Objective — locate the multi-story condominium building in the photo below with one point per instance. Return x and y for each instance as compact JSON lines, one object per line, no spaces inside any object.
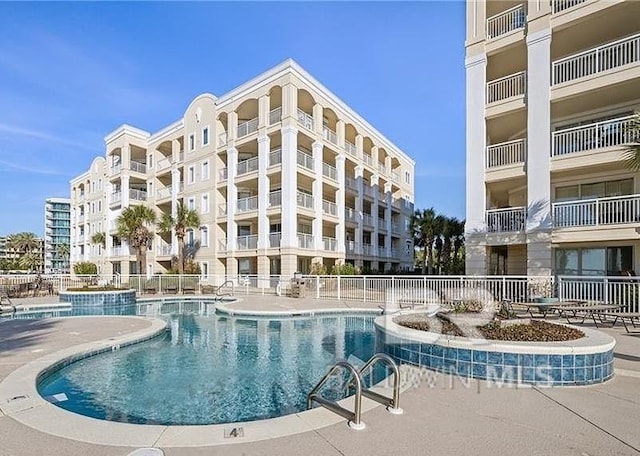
{"x":57,"y":230}
{"x":282,"y":173}
{"x":551,"y":88}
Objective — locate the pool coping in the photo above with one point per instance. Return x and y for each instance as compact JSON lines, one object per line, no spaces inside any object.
{"x":20,"y":400}
{"x":222,"y":309}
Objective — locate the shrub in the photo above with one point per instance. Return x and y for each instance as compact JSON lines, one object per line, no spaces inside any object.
{"x":344,"y":269}
{"x":85,"y":268}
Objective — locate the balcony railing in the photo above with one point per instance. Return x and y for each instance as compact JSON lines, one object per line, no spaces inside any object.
{"x":507,"y":21}
{"x":247,"y":204}
{"x":367,"y":159}
{"x":350,"y":214}
{"x":304,"y":119}
{"x":506,"y":153}
{"x":351,"y":183}
{"x":329,"y":171}
{"x":507,"y":87}
{"x":329,"y":135}
{"x":275,"y":157}
{"x":305,"y":200}
{"x":163,"y":250}
{"x":137,"y":195}
{"x":595,"y":212}
{"x":275,"y":198}
{"x":164,"y":164}
{"x":305,"y":160}
{"x":382,"y":252}
{"x":222,"y":138}
{"x":350,"y":246}
{"x":119,"y":251}
{"x":164,"y":192}
{"x":367,"y":249}
{"x":222,"y":209}
{"x":223,"y":174}
{"x":350,"y":148}
{"x":330,"y":208}
{"x":275,"y":116}
{"x":247,"y":127}
{"x":115,"y":169}
{"x":382,"y":224}
{"x":113,"y":198}
{"x":597,"y":60}
{"x":247,"y":166}
{"x":367,"y":219}
{"x":506,"y":220}
{"x":138,"y":167}
{"x":395,"y":227}
{"x":561,"y":5}
{"x":330,"y":244}
{"x":305,"y":241}
{"x":249,"y":242}
{"x":274,"y":239}
{"x":598,"y":135}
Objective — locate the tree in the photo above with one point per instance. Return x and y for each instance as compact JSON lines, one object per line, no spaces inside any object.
{"x":133,"y":225}
{"x":632,"y":148}
{"x":62,"y":252}
{"x":23,"y":242}
{"x":29,"y":261}
{"x":185,"y":219}
{"x":439,"y":228}
{"x":423,"y":232}
{"x":99,"y":239}
{"x":85,"y":268}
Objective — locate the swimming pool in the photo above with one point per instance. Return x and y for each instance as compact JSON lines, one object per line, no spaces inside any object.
{"x":210,"y":369}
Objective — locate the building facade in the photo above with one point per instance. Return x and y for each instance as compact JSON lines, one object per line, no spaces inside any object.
{"x":57,"y":233}
{"x":281,"y":172}
{"x":552,"y":87}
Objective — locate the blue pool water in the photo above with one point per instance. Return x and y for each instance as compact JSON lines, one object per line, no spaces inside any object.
{"x":211,"y":369}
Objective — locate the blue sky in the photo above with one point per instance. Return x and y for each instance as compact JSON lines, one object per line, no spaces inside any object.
{"x":72,"y":72}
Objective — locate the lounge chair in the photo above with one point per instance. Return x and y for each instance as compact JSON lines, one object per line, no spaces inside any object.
{"x":150,"y":289}
{"x":171,"y":289}
{"x":189,"y":289}
{"x":632,"y":318}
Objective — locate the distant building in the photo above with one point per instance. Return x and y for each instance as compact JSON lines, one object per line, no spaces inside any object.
{"x":57,"y":232}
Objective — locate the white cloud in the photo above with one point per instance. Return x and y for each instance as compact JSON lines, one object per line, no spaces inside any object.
{"x":24,"y":168}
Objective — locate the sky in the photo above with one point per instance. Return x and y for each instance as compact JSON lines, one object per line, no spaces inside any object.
{"x":70,"y":73}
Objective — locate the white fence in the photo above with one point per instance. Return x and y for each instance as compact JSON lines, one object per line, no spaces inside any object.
{"x":506,"y":21}
{"x":506,"y":153}
{"x":507,"y":87}
{"x":247,"y":127}
{"x":598,"y":135}
{"x":599,"y":211}
{"x":561,"y":5}
{"x":506,"y":220}
{"x":247,"y":166}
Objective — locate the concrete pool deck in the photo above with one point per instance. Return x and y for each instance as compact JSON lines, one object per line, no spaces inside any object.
{"x":442,"y":416}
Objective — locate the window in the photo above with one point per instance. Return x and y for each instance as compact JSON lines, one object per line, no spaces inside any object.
{"x":204,"y":175}
{"x":190,"y":239}
{"x":192,"y":174}
{"x":204,"y":203}
{"x":204,"y":236}
{"x":205,"y":136}
{"x":191,"y":203}
{"x":99,"y":206}
{"x":611,"y":261}
{"x":192,"y":141}
{"x":594,"y":190}
{"x":407,"y":177}
{"x":150,"y":162}
{"x":204,"y":269}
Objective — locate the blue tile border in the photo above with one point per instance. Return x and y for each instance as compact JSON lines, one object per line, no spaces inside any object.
{"x":102,"y":298}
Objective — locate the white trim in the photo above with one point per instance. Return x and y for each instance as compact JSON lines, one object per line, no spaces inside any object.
{"x":202,"y":168}
{"x":166,"y":131}
{"x":208,"y":208}
{"x":202,"y":238}
{"x":206,"y":127}
{"x":127,"y":129}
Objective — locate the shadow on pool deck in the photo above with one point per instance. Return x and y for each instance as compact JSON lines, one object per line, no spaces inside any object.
{"x":22,"y":334}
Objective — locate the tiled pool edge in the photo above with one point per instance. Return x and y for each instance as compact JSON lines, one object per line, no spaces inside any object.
{"x":99,"y":298}
{"x":582,"y":362}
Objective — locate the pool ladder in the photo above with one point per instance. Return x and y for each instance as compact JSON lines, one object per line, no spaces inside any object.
{"x":354,"y":417}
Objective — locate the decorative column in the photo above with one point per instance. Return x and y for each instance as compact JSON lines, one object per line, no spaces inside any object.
{"x":317,"y":119}
{"x":359,"y":170}
{"x":340,"y":205}
{"x":289,"y":186}
{"x":263,"y":203}
{"x":232,"y":201}
{"x":387,"y":217}
{"x":263,"y":111}
{"x":124,"y":190}
{"x":374,"y":216}
{"x":317,"y":200}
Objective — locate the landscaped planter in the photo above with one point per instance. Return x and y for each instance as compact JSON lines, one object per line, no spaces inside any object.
{"x":99,"y":297}
{"x":584,"y":361}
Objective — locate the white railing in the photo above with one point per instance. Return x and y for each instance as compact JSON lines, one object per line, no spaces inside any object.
{"x":382,"y":252}
{"x":163,"y":250}
{"x":506,"y":220}
{"x":597,"y":60}
{"x":351,"y":183}
{"x":164,"y":192}
{"x":247,"y":166}
{"x":223,"y":174}
{"x":507,"y":87}
{"x":367,"y":219}
{"x":599,"y":211}
{"x":222,"y":209}
{"x":350,"y":214}
{"x":305,"y":241}
{"x":247,"y":204}
{"x":275,"y":157}
{"x":330,"y":244}
{"x":395,"y":227}
{"x":164,"y":164}
{"x":304,"y":200}
{"x":304,"y":119}
{"x":329,"y":135}
{"x":507,"y":21}
{"x":382,"y":224}
{"x":137,"y":167}
{"x":350,"y":246}
{"x":119,"y":251}
{"x":561,"y":5}
{"x":329,"y":171}
{"x":222,"y":138}
{"x":305,"y":160}
{"x":607,"y":133}
{"x":115,"y":169}
{"x":621,"y":290}
{"x":275,"y":115}
{"x":137,"y":195}
{"x":367,"y":249}
{"x":249,"y":242}
{"x":247,"y":127}
{"x":350,"y":148}
{"x":222,"y":245}
{"x":367,"y":159}
{"x":506,"y":153}
{"x":113,"y":198}
{"x":395,"y":177}
{"x":274,"y":239}
{"x":275,"y":198}
{"x":329,"y":207}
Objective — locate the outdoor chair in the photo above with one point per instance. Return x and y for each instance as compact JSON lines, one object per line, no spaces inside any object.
{"x":171,"y":289}
{"x":189,"y":289}
{"x":150,"y":289}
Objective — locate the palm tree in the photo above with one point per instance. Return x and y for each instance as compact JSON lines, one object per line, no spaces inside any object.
{"x":133,"y":225}
{"x":632,"y":149}
{"x":99,"y":239}
{"x":448,"y":240}
{"x":185,"y":218}
{"x":23,"y":242}
{"x":423,"y":232}
{"x":62,"y":252}
{"x":30,"y":261}
{"x":439,"y":228}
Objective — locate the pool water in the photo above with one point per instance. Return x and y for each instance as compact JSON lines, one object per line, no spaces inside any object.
{"x":210,"y":369}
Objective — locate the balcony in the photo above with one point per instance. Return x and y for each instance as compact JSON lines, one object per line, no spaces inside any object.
{"x":222,"y":138}
{"x":305,"y":241}
{"x":329,"y":135}
{"x":350,"y":214}
{"x":367,"y":220}
{"x":395,"y":228}
{"x":367,"y":159}
{"x":247,"y":166}
{"x":137,"y":195}
{"x":561,"y":5}
{"x":506,"y":220}
{"x":598,"y":135}
{"x":163,"y":250}
{"x":350,"y":148}
{"x":163,"y":193}
{"x":597,"y":60}
{"x":330,"y":244}
{"x":329,"y":208}
{"x":114,"y":198}
{"x":382,"y":252}
{"x":305,"y":160}
{"x":247,"y":204}
{"x":275,"y":157}
{"x":163,"y":164}
{"x":304,"y":200}
{"x":247,"y":127}
{"x":350,"y":246}
{"x":274,"y":239}
{"x":506,"y":153}
{"x":367,"y":249}
{"x":223,"y":174}
{"x":119,"y":251}
{"x":222,"y":209}
{"x":507,"y":87}
{"x":115,"y":169}
{"x":329,"y":171}
{"x":249,"y":242}
{"x":138,"y":167}
{"x":304,"y":119}
{"x":275,"y":116}
{"x":351,"y":183}
{"x":275,"y":198}
{"x":506,"y":22}
{"x":382,"y":224}
{"x":615,"y":210}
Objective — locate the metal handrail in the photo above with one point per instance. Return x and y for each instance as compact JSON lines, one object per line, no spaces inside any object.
{"x":393,"y":403}
{"x":353,"y":417}
{"x":233,"y":291}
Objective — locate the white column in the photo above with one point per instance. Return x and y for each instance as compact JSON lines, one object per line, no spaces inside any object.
{"x":110,"y":217}
{"x":374,"y":215}
{"x":317,"y":196}
{"x":476,"y":141}
{"x":340,"y":204}
{"x":263,"y":192}
{"x":538,"y":152}
{"x":387,"y":217}
{"x":175,"y":188}
{"x":232,"y":199}
{"x":358,"y":238}
{"x":124,"y":190}
{"x":289,"y":186}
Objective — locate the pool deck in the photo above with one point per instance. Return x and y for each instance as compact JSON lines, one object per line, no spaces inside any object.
{"x":442,"y":416}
